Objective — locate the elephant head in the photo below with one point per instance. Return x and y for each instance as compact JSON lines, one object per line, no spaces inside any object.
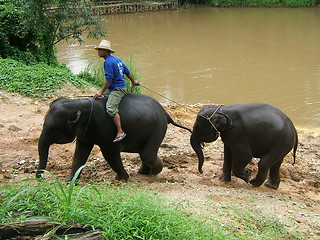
{"x":60,"y":126}
{"x":209,"y":123}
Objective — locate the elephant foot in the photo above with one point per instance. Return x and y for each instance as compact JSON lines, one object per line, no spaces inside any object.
{"x":153,"y":169}
{"x":39,"y":174}
{"x":120,"y":178}
{"x":144,"y":169}
{"x":69,"y":178}
{"x":224,"y":177}
{"x":255,"y":183}
{"x":156,"y":171}
{"x":246,"y":173}
{"x":272,"y":185}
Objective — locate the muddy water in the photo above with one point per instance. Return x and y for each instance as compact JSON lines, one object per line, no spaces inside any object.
{"x":224,"y":56}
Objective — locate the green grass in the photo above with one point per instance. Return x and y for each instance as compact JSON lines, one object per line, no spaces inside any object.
{"x":94,"y":73}
{"x":41,"y":80}
{"x":124,"y":211}
{"x":35,"y":80}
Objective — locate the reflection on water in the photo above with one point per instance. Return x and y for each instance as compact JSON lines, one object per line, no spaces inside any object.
{"x":225,"y":56}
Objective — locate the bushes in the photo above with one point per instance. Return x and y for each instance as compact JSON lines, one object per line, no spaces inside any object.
{"x":122,"y":211}
{"x":17,"y":39}
{"x":94,"y":73}
{"x":40,"y":80}
{"x":37,"y":80}
{"x":30,"y":30}
{"x":264,"y":3}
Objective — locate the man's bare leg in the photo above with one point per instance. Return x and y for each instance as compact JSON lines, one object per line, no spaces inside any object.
{"x":117,"y":121}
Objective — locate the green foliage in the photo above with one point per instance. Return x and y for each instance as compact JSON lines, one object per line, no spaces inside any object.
{"x":35,"y":26}
{"x":40,"y":79}
{"x":300,"y":3}
{"x":36,"y":80}
{"x":16,"y":40}
{"x":123,"y":211}
{"x":135,"y":73}
{"x":94,"y":74}
{"x":63,"y":195}
{"x":264,"y":3}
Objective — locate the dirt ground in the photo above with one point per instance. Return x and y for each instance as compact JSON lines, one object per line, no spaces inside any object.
{"x":296,"y":203}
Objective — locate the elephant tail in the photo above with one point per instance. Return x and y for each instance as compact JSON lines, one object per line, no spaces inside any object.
{"x":295,"y":148}
{"x":170,"y":120}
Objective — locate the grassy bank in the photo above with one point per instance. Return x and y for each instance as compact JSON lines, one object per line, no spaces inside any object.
{"x":124,"y":211}
{"x":40,"y":80}
{"x":264,"y":3}
{"x":36,"y":80}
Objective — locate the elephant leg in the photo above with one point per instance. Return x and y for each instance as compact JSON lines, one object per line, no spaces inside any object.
{"x":240,"y":160}
{"x":272,"y":158}
{"x":151,"y":163}
{"x":82,"y":152}
{"x":114,"y":159}
{"x":274,"y":176}
{"x":227,"y":165}
{"x":144,"y":169}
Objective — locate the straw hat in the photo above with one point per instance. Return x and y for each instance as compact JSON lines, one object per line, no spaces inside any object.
{"x":105,"y":44}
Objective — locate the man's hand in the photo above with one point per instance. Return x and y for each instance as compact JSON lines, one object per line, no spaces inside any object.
{"x":136,"y":83}
{"x":97,"y":95}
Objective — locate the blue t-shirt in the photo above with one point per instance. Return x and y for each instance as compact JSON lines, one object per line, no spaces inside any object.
{"x":114,"y":70}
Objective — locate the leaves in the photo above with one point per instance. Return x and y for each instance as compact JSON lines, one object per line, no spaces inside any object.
{"x":37,"y":80}
{"x":35,"y":26}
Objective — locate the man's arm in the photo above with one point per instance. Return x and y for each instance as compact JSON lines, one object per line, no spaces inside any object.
{"x":102,"y":90}
{"x":134,"y":82}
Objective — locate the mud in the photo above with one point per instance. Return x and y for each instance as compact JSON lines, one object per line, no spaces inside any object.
{"x":295,"y":203}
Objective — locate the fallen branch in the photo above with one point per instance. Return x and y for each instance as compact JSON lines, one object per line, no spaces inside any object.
{"x":48,"y":227}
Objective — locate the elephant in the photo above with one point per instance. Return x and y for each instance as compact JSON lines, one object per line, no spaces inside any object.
{"x":143,"y":119}
{"x":257,"y":130}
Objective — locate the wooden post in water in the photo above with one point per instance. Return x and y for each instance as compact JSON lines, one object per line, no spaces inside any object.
{"x":111,"y":7}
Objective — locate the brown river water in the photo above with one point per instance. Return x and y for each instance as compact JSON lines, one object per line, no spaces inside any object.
{"x":219,"y":56}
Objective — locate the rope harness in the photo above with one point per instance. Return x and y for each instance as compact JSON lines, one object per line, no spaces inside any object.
{"x":191,"y":110}
{"x":90,"y":115}
{"x":207,"y":118}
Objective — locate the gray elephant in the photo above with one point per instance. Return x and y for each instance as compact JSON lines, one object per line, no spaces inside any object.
{"x":144,"y":120}
{"x":254,"y":130}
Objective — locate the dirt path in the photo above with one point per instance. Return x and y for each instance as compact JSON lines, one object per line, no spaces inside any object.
{"x":296,"y":203}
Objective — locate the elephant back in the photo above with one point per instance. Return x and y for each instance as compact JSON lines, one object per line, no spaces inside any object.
{"x":142,"y":115}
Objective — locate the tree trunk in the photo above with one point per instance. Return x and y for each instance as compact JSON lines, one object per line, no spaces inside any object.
{"x":47,"y":228}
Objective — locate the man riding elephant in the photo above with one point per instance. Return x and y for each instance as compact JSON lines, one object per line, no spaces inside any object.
{"x":114,"y":85}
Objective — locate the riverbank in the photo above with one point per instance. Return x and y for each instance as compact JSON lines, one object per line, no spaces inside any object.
{"x":265,"y":3}
{"x":113,"y":7}
{"x":118,"y":6}
{"x":295,"y":204}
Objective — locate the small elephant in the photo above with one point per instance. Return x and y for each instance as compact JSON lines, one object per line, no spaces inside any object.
{"x":252,"y":130}
{"x":143,"y":119}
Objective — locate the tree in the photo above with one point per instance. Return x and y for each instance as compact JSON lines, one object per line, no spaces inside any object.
{"x":15,"y":38}
{"x":52,"y":21}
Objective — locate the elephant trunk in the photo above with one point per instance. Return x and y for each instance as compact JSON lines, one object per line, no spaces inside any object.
{"x":43,"y":150}
{"x":196,"y":145}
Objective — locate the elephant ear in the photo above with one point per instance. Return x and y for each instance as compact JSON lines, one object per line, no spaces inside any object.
{"x":222,"y":122}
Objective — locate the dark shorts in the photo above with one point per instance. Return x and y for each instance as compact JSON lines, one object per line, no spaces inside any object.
{"x":114,"y":99}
